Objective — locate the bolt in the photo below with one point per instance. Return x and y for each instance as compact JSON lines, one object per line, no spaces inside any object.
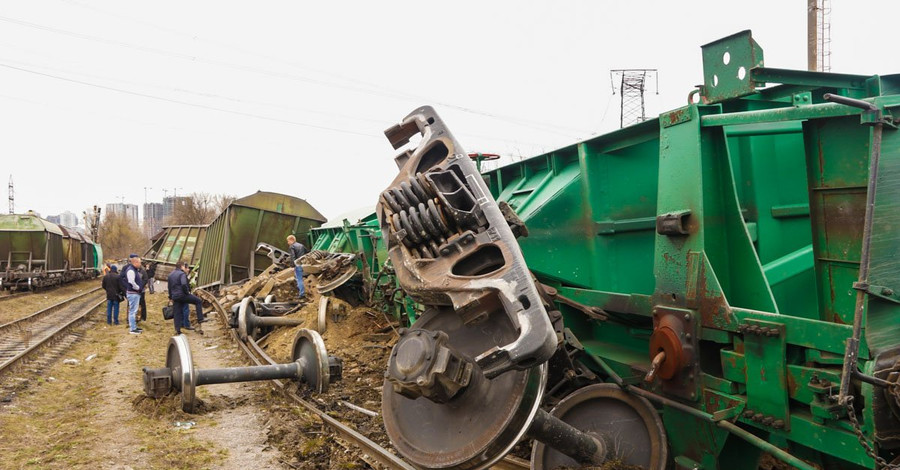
{"x":764,"y":331}
{"x":768,"y":420}
{"x":887,"y":291}
{"x":814,"y":380}
{"x":773,"y":332}
{"x":687,"y":336}
{"x":778,"y":424}
{"x":758,"y":417}
{"x":687,"y":317}
{"x":748,"y":414}
{"x":421,"y":381}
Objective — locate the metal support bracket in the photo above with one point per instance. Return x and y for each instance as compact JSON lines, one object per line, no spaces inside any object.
{"x":765,"y":351}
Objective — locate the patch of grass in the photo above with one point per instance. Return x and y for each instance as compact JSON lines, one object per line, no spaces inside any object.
{"x":50,"y":424}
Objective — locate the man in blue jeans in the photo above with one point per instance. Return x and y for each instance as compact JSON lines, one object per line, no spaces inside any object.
{"x":180,"y":293}
{"x":133,"y":284}
{"x":297,"y":250}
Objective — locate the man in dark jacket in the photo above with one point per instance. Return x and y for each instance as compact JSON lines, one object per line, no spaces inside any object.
{"x":147,"y":282}
{"x":180,"y":293}
{"x":297,"y":250}
{"x":114,"y":294}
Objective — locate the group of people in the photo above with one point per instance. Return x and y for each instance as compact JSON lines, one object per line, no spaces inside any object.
{"x":133,"y":283}
{"x":135,"y":280}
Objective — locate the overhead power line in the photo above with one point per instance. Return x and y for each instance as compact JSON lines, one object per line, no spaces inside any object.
{"x":388,"y":94}
{"x":186,"y":103}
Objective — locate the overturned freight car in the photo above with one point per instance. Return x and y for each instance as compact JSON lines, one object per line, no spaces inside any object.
{"x":173,"y":244}
{"x":705,"y":288}
{"x":228,"y":252}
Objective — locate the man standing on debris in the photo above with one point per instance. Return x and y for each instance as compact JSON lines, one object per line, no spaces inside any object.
{"x":180,"y":293}
{"x":134,"y":285}
{"x":114,"y":295}
{"x":297,"y":250}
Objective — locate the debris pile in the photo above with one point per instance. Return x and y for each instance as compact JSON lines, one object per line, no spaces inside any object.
{"x":360,"y":335}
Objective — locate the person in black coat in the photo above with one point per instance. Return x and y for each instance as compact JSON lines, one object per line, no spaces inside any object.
{"x":180,"y":293}
{"x":114,"y":294}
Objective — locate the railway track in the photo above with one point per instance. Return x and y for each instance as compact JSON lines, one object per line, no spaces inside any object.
{"x":21,"y":338}
{"x":374,"y":451}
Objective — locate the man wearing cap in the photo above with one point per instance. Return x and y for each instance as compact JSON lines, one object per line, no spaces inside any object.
{"x":134,"y":285}
{"x":114,"y":294}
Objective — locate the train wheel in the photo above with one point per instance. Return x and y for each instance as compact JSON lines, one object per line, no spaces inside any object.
{"x":629,"y":424}
{"x":480,"y":425}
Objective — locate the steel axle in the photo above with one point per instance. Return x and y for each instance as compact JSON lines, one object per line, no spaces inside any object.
{"x":311,"y":365}
{"x":424,"y":364}
{"x":248,"y":321}
{"x":556,"y":433}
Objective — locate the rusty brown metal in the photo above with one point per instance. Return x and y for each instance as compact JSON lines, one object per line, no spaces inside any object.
{"x":451,"y":245}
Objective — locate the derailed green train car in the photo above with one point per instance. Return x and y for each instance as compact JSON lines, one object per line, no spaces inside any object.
{"x":37,"y":253}
{"x":724,"y":241}
{"x":722,"y":282}
{"x":228,"y":253}
{"x":375,"y":283}
{"x":173,"y":244}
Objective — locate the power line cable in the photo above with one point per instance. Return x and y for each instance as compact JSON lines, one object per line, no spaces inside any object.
{"x":194,"y":58}
{"x":186,"y":103}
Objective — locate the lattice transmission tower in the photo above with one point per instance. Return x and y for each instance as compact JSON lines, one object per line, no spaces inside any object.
{"x":12,"y":197}
{"x":818,"y":31}
{"x":631,"y":84}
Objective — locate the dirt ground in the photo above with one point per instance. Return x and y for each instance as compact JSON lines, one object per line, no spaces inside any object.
{"x":94,"y":413}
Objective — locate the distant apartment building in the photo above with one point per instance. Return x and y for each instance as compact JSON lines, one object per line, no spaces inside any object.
{"x":128,"y":210}
{"x":53,"y":219}
{"x":69,"y":219}
{"x":171,"y":202}
{"x":153,"y":217}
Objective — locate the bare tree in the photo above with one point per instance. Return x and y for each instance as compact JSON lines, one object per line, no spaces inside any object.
{"x":199,"y":209}
{"x":121,"y":236}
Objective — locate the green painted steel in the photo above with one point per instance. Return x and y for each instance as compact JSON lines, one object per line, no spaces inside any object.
{"x":740,"y":221}
{"x":377,"y":284}
{"x":176,"y":243}
{"x":228,"y":252}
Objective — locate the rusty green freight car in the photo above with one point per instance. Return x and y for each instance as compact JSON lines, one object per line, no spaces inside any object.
{"x":173,"y":244}
{"x":36,"y":253}
{"x":709,"y":287}
{"x":228,"y":252}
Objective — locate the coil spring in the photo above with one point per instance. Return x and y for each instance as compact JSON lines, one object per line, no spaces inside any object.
{"x":418,"y":216}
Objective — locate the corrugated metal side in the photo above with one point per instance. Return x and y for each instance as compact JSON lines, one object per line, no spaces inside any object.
{"x":212,"y":258}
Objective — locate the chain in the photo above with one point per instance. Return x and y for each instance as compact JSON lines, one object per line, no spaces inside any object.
{"x":880,"y":463}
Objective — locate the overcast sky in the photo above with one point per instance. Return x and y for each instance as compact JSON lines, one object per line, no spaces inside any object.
{"x":100,"y":99}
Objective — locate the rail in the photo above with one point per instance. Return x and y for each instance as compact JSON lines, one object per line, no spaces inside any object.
{"x":259,"y":357}
{"x":22,"y":337}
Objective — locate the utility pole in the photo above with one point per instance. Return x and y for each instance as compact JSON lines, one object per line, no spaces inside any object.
{"x":818,"y":35}
{"x":631,"y":84}
{"x":12,"y":197}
